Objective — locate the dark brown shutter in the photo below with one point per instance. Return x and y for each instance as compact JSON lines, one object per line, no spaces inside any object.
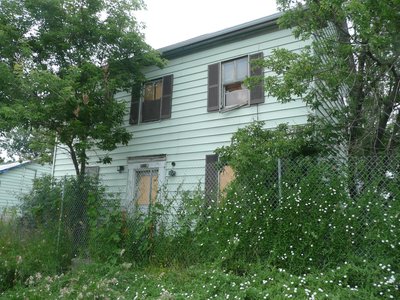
{"x":211,"y":178}
{"x":213,"y":87}
{"x":135,"y":100}
{"x":257,"y":92}
{"x":166,"y":100}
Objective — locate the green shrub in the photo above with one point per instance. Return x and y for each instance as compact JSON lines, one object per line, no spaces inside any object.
{"x":295,"y":210}
{"x":105,"y":229}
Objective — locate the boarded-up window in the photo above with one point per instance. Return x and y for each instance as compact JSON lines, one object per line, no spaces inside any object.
{"x":225,"y":177}
{"x":216,"y":180}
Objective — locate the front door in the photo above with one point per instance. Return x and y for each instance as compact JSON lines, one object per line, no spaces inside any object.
{"x":145,"y":179}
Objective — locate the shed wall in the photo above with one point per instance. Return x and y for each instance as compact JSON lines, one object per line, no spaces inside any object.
{"x":18,"y":181}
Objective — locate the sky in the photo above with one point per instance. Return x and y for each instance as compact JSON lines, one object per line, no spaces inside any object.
{"x":172,"y":21}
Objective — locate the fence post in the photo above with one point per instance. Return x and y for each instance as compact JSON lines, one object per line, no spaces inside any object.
{"x":279,"y":179}
{"x":61,"y":214}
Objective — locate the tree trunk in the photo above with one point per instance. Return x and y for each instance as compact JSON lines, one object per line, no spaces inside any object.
{"x":356,"y":106}
{"x":378,"y":144}
{"x":83,"y":166}
{"x":393,"y":141}
{"x":74,"y":159}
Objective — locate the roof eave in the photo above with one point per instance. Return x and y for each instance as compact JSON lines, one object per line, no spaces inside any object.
{"x":204,"y":41}
{"x":2,"y":171}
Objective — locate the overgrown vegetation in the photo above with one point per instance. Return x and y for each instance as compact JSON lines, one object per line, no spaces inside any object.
{"x":26,"y":252}
{"x":59,"y":220}
{"x":287,"y":225}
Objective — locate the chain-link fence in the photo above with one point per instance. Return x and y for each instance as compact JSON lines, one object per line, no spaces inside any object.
{"x":283,"y":210}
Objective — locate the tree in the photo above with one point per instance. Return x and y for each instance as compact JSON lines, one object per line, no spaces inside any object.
{"x":64,"y":61}
{"x":349,"y":74}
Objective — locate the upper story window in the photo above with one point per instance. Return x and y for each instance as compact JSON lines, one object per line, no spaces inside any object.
{"x":151,"y":104}
{"x":152,"y":101}
{"x":234,"y":92}
{"x":226,"y":89}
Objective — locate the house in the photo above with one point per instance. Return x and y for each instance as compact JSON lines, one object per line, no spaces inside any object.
{"x":16,"y":179}
{"x":191,"y":107}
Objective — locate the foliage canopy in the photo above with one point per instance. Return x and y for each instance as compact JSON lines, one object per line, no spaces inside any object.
{"x":349,"y":73}
{"x":62,"y":62}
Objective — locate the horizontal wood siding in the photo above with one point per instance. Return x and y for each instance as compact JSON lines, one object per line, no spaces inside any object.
{"x":18,"y":181}
{"x":191,"y":133}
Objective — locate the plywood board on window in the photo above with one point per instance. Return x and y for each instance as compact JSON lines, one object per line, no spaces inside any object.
{"x":225,"y":177}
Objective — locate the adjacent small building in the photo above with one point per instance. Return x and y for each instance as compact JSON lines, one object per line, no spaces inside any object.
{"x":16,"y":179}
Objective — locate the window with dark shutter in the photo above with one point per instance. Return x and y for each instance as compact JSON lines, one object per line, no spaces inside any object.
{"x":257,"y":92}
{"x":151,"y":105}
{"x":156,"y":102}
{"x":213,"y":87}
{"x":211,"y":178}
{"x":226,"y":88}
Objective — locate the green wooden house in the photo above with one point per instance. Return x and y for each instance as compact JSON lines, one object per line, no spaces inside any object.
{"x":191,"y":107}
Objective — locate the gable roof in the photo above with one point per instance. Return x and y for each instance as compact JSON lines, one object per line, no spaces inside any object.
{"x":219,"y":37}
{"x":7,"y":167}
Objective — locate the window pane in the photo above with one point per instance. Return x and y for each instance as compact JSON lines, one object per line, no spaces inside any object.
{"x":233,"y":87}
{"x":241,"y":69}
{"x":148,"y":91}
{"x":158,"y":89}
{"x":237,"y":97}
{"x":151,"y":110}
{"x":228,"y":72}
